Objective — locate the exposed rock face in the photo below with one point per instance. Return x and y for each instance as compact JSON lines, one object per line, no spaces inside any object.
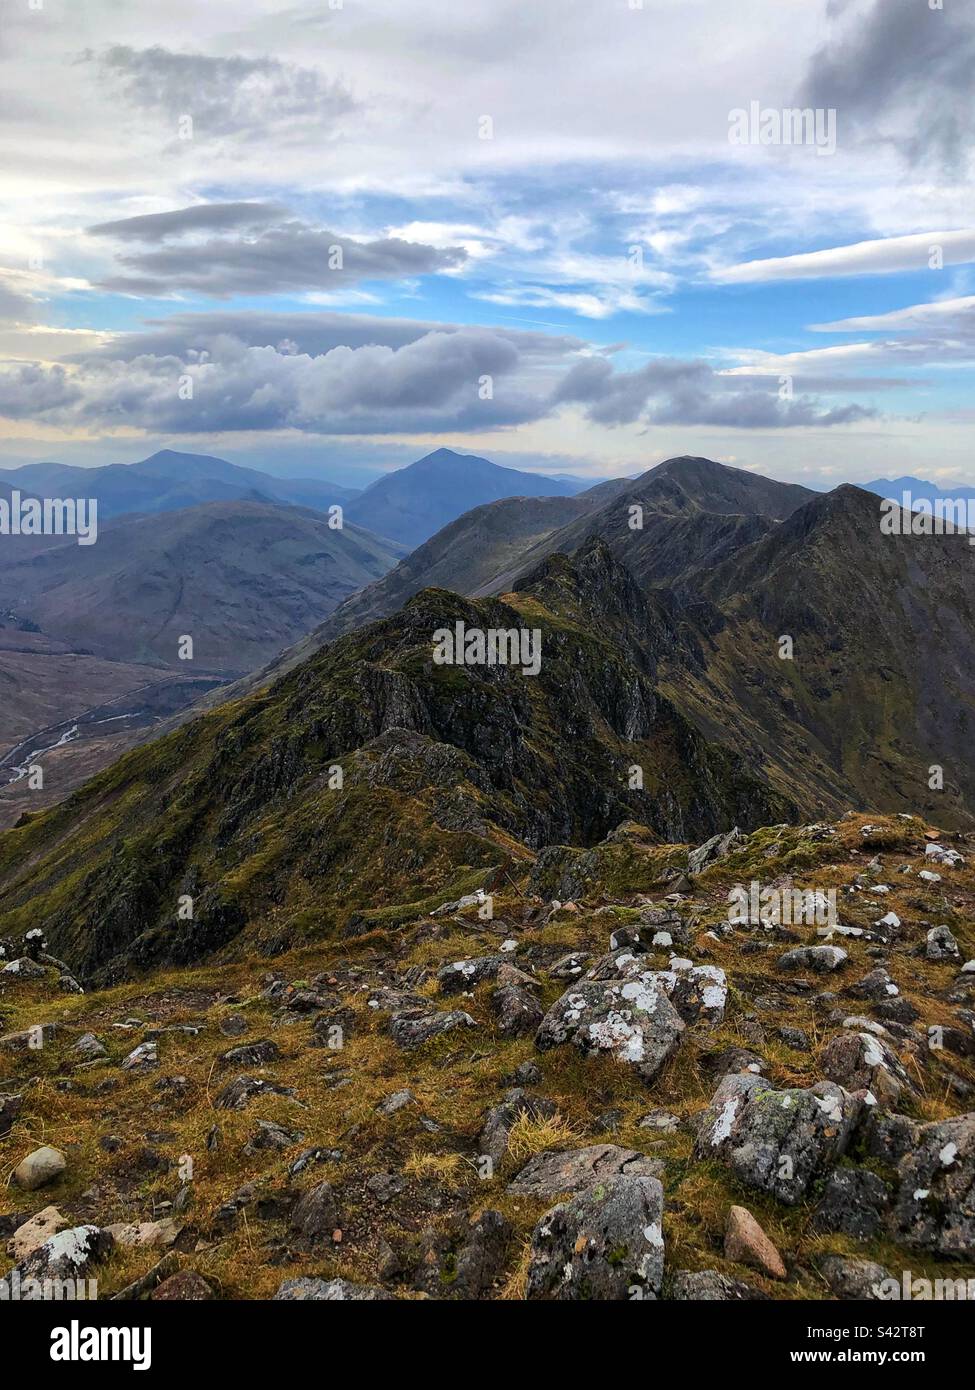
{"x":459,"y":766}
{"x":605,"y":1243}
{"x":779,"y":1142}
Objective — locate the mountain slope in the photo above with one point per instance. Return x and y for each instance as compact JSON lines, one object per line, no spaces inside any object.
{"x":692,"y":512}
{"x":462,"y":557}
{"x":242,"y":578}
{"x":882,"y":685}
{"x":484,"y":551}
{"x":448,"y":772}
{"x":413,"y":503}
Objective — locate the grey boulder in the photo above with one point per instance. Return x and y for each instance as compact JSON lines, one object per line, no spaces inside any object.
{"x":605,"y":1244}
{"x":777,"y":1141}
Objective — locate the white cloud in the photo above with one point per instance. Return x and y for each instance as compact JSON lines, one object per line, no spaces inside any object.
{"x":880,"y":257}
{"x":944,"y":314}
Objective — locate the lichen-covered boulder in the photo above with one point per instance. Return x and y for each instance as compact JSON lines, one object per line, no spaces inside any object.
{"x":861,"y":1062}
{"x":629,"y":1018}
{"x":775,"y":1141}
{"x":601,"y":1245}
{"x":821,"y":959}
{"x":414,"y":1027}
{"x":68,"y":1254}
{"x":556,"y":1172}
{"x":935,"y":1205}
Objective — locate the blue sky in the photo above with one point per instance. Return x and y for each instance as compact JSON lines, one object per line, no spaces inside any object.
{"x":547,"y":198}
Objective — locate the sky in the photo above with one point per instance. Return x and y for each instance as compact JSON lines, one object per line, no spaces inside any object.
{"x":570,"y":235}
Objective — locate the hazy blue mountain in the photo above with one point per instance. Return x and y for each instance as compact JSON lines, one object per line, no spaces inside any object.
{"x":414,"y":503}
{"x":170,"y":481}
{"x":917,"y":487}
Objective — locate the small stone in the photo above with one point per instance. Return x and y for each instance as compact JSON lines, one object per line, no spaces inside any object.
{"x":147,"y":1234}
{"x":317,"y":1215}
{"x":941,"y":945}
{"x":35,"y":1232}
{"x":395,"y":1102}
{"x":185,"y":1287}
{"x":44,"y":1165}
{"x":10,"y":1107}
{"x":67,"y":1255}
{"x":23,"y":969}
{"x":255,"y":1054}
{"x":854,"y":1279}
{"x":415,"y":1027}
{"x":89,"y":1047}
{"x":518,"y":1011}
{"x":708,"y":1286}
{"x":528,"y":1074}
{"x":820,"y":959}
{"x":142,"y":1058}
{"x":328,"y":1291}
{"x":746,"y":1243}
{"x":660,"y":1120}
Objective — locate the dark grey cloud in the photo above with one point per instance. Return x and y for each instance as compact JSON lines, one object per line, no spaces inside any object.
{"x":286,"y":258}
{"x":30,"y":390}
{"x":233,"y":96}
{"x":428,"y":384}
{"x":668,"y":391}
{"x":901,"y":71}
{"x":202,"y":217}
{"x":312,"y":332}
{"x":334,"y":374}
